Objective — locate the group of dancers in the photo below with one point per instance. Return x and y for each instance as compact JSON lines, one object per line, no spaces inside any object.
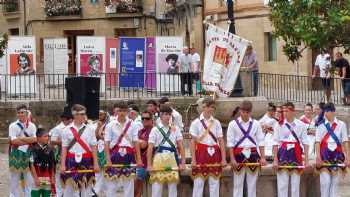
{"x":119,"y":152}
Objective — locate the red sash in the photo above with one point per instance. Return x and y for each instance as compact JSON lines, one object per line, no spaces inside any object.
{"x":79,"y":140}
{"x":237,"y":151}
{"x":327,"y":136}
{"x":305,"y":120}
{"x":127,"y":126}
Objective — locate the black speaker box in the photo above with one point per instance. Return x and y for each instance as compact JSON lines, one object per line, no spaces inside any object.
{"x":84,"y":91}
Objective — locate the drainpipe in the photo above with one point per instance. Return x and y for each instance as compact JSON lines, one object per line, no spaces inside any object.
{"x":238,"y":88}
{"x":25,"y":17}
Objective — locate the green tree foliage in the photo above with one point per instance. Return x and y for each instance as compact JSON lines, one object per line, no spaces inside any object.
{"x":315,"y":24}
{"x":3,"y":44}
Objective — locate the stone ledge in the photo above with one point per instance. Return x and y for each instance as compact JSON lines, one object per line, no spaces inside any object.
{"x":266,"y":184}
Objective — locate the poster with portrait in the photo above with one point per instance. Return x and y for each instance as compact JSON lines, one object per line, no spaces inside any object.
{"x":91,"y":58}
{"x":150,"y":81}
{"x":55,"y":61}
{"x":111,"y":62}
{"x":224,"y":54}
{"x":168,"y":51}
{"x":131,"y":66}
{"x":21,"y":65}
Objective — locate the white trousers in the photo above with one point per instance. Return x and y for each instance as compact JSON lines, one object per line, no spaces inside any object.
{"x":69,"y":191}
{"x":269,"y":141}
{"x":329,"y":184}
{"x":100,"y":186}
{"x":312,"y":140}
{"x":238,"y":183}
{"x":113,"y":186}
{"x":15,"y":186}
{"x":58,"y":184}
{"x":283,"y":183}
{"x":157,"y":189}
{"x":198,"y":186}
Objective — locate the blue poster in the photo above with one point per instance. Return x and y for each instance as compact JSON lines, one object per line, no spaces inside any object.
{"x":132,"y":66}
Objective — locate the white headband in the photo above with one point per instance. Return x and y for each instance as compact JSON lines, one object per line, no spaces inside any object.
{"x":74,"y":112}
{"x":22,"y":110}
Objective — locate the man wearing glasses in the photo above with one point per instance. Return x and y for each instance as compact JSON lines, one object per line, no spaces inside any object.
{"x":79,"y":155}
{"x":141,"y":174}
{"x":22,"y":133}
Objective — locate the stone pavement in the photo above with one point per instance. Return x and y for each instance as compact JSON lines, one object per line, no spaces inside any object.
{"x":4,"y":176}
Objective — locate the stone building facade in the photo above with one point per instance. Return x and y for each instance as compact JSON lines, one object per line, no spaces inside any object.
{"x":110,"y":18}
{"x":252,"y":23}
{"x":152,"y":17}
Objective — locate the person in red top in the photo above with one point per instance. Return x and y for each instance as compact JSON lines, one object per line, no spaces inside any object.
{"x":141,"y":175}
{"x":307,"y":119}
{"x":308,"y":113}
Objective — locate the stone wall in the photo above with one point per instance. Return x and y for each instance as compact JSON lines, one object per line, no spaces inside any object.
{"x":266,"y":184}
{"x":47,"y":113}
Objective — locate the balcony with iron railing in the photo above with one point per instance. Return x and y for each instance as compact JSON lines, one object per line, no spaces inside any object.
{"x":178,"y":3}
{"x":62,"y":8}
{"x":173,"y":5}
{"x":123,"y":6}
{"x":10,"y":6}
{"x":11,"y":9}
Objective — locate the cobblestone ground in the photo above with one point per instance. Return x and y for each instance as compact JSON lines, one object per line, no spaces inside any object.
{"x":4,"y":176}
{"x":344,"y":188}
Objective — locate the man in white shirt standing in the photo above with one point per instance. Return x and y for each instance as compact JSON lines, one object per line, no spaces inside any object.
{"x":196,"y":69}
{"x":332,"y":151}
{"x":289,"y":135}
{"x":250,"y":62}
{"x":207,"y":151}
{"x":323,"y":65}
{"x":22,"y":133}
{"x":56,"y":142}
{"x":79,"y":155}
{"x":165,"y":150}
{"x":245,"y":139}
{"x":185,"y":61}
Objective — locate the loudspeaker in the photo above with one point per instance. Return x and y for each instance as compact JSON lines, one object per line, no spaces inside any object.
{"x":84,"y":91}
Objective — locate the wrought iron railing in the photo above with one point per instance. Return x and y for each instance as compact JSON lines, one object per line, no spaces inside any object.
{"x":10,"y":6}
{"x":124,"y":6}
{"x":275,"y":87}
{"x":112,"y":86}
{"x":62,"y":7}
{"x":295,"y":88}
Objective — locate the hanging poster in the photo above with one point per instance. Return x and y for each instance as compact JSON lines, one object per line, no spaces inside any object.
{"x":132,"y":66}
{"x":168,"y":51}
{"x":150,"y":63}
{"x":224,"y":53}
{"x":111,"y":62}
{"x":91,"y":58}
{"x":21,"y":65}
{"x":55,"y":61}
